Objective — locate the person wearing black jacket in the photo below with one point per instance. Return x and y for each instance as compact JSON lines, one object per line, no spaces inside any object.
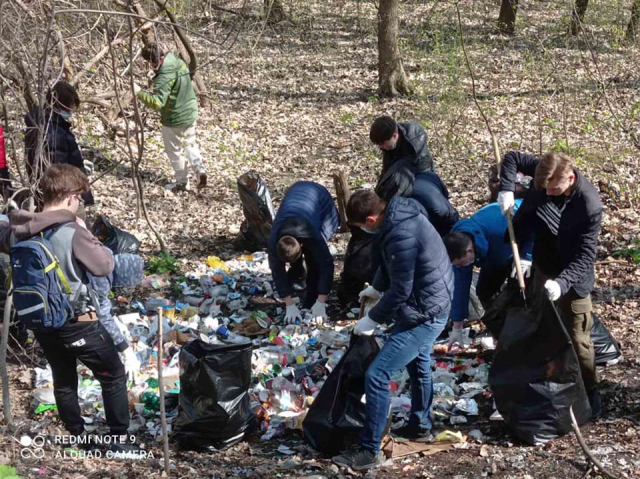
{"x":59,"y":142}
{"x":565,"y":213}
{"x":401,"y":141}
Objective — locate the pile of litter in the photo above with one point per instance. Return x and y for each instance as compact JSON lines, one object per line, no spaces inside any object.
{"x":231,"y":303}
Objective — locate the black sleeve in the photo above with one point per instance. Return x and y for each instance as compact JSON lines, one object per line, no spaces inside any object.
{"x":279,"y":274}
{"x":320,"y":253}
{"x":515,"y":161}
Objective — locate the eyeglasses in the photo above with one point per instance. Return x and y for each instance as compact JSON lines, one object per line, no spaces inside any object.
{"x":79,"y":197}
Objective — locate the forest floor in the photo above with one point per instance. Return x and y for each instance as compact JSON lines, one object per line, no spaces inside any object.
{"x":295,"y":102}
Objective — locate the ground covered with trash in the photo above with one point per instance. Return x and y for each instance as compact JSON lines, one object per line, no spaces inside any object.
{"x":298,"y":106}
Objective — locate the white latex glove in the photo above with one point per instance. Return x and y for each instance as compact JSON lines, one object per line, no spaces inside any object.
{"x":292,"y":314}
{"x":525,"y":265}
{"x":506,"y":201}
{"x":365,"y":327}
{"x":553,"y":289}
{"x":455,"y":336}
{"x":89,"y":166}
{"x":131,"y":362}
{"x":369,"y":292}
{"x":318,"y":312}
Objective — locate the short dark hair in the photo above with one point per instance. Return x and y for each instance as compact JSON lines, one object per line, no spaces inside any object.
{"x":61,"y":180}
{"x":551,"y":164}
{"x":152,"y":53}
{"x":288,"y":249}
{"x":382,"y":129}
{"x":63,"y":94}
{"x":457,"y":244}
{"x":364,"y":203}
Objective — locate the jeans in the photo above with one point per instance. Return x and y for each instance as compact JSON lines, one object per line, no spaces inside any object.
{"x":90,"y":343}
{"x":180,"y":141}
{"x":410,"y":348}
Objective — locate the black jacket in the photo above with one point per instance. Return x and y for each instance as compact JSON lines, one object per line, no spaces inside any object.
{"x":59,"y":141}
{"x":412,"y":146}
{"x":579,"y":224}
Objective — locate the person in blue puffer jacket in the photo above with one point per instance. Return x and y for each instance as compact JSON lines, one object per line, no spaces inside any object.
{"x":417,"y":281}
{"x":480,"y":241}
{"x":306,"y":220}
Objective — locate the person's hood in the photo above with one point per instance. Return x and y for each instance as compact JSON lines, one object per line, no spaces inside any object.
{"x":414,"y":134}
{"x":480,"y":240}
{"x":397,"y":181}
{"x":36,"y":117}
{"x":170,"y":64}
{"x":400,"y":210}
{"x":25,"y":224}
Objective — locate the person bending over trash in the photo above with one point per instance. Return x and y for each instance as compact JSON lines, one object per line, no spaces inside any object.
{"x":306,"y":220}
{"x":174,"y":97}
{"x":51,"y":254}
{"x":417,"y":282}
{"x":428,"y":189}
{"x":565,"y":213}
{"x":401,"y":141}
{"x":479,"y":241}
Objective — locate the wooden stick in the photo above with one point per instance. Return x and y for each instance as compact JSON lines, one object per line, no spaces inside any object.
{"x":342,"y":194}
{"x":163,"y":416}
{"x":583,"y":445}
{"x":6,"y":392}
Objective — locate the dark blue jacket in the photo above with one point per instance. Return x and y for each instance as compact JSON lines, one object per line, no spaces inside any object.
{"x":307,"y":213}
{"x":415,"y":274}
{"x":487,"y":227}
{"x":412,"y":146}
{"x":579,"y":227}
{"x":430,"y":191}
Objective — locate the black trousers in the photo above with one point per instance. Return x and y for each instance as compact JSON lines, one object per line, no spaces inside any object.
{"x":305,"y":266}
{"x":90,"y":343}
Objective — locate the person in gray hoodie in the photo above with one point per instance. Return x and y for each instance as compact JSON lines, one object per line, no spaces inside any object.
{"x":82,"y":337}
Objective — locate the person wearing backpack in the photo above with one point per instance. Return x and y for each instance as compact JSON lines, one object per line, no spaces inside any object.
{"x":51,"y":255}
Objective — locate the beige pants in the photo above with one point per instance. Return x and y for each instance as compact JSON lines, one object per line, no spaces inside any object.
{"x":180,"y":142}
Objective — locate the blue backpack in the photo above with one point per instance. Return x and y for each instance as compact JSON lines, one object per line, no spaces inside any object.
{"x":40,"y":289}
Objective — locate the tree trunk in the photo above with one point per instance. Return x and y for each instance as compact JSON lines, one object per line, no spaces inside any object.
{"x":507,"y":17}
{"x":4,"y":372}
{"x":343,"y":193}
{"x":274,"y":11}
{"x":392,"y":80}
{"x":577,"y":16}
{"x":632,"y":28}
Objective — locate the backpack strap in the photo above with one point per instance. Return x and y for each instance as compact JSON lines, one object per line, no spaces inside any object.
{"x":56,"y":265}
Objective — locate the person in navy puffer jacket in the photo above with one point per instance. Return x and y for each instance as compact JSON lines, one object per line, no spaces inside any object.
{"x":480,"y":241}
{"x":306,"y":220}
{"x":417,"y":281}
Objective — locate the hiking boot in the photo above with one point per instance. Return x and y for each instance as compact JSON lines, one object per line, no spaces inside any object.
{"x":202,"y":180}
{"x":359,"y":459}
{"x":126,"y":449}
{"x":413,"y":433}
{"x":595,"y":402}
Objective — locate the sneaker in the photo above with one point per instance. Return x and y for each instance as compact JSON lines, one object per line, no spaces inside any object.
{"x":596,"y":403}
{"x":359,"y":459}
{"x":178,"y":187}
{"x":85,"y":442}
{"x":202,"y":180}
{"x":409,"y":431}
{"x":126,"y":450}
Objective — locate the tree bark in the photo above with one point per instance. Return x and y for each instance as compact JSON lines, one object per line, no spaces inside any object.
{"x":634,"y":21}
{"x":392,"y":80}
{"x":274,"y":11}
{"x":577,"y":16}
{"x":343,"y":193}
{"x":507,"y":17}
{"x":4,"y":373}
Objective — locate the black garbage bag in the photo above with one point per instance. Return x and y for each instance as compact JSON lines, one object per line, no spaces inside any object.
{"x":214,"y":411}
{"x":117,"y":240}
{"x":358,"y":267}
{"x":606,"y":348}
{"x":535,"y":376}
{"x":258,"y":211}
{"x":336,"y":416}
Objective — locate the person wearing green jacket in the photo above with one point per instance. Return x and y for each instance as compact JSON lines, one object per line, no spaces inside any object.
{"x":174,"y":97}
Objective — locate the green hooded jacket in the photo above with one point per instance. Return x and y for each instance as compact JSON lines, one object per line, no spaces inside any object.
{"x":173,"y":93}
